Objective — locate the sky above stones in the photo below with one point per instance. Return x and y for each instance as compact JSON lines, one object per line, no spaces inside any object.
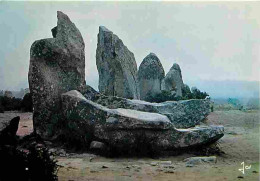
{"x":210,"y":41}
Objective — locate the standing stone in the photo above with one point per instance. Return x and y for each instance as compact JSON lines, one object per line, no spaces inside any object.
{"x":57,"y":65}
{"x":150,"y":75}
{"x":116,"y":66}
{"x":173,"y":80}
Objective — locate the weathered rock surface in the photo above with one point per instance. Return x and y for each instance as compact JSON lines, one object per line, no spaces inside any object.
{"x":125,"y":129}
{"x":173,"y":80}
{"x":57,"y":65}
{"x":57,"y":79}
{"x":182,"y":114}
{"x":97,"y":145}
{"x":150,"y":75}
{"x":116,"y":66}
{"x":113,"y":118}
{"x":190,"y":162}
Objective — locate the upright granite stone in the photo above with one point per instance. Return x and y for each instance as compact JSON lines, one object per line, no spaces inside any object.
{"x":57,"y":65}
{"x":116,"y":66}
{"x":150,"y":75}
{"x":173,"y":80}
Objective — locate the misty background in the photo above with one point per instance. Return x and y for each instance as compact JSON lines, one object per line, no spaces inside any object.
{"x":217,"y":45}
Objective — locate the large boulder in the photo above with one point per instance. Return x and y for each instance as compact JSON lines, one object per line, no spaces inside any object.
{"x":57,"y":65}
{"x":173,"y":80}
{"x":116,"y":66}
{"x":150,"y":75}
{"x":126,"y":129}
{"x":182,"y":114}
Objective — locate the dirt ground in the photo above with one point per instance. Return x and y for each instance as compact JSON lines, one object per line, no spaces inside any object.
{"x":240,"y":144}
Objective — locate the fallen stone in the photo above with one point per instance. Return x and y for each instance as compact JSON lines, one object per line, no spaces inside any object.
{"x":190,"y":162}
{"x":189,"y":165}
{"x":113,"y":118}
{"x":165,"y":163}
{"x":182,"y":114}
{"x":150,"y":75}
{"x":154,"y":163}
{"x":96,"y":145}
{"x":62,"y":152}
{"x":173,"y":80}
{"x":57,"y":65}
{"x":126,"y":129}
{"x":116,"y":66}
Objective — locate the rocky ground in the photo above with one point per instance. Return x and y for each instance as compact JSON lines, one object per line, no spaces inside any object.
{"x":240,"y":144}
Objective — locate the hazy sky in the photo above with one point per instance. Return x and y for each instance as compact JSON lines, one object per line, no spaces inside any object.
{"x":210,"y":41}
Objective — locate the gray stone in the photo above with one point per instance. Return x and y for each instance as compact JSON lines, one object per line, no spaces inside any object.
{"x":182,"y":114}
{"x":166,"y":163}
{"x":116,"y":66}
{"x":57,"y":65}
{"x":150,"y":75}
{"x":154,"y":163}
{"x":125,"y":129}
{"x":190,"y":162}
{"x":96,"y":145}
{"x":113,"y":118}
{"x":173,"y":80}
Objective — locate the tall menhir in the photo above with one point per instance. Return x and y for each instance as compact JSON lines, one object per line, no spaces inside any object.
{"x":57,"y":65}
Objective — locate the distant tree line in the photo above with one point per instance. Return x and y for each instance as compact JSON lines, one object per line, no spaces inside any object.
{"x":187,"y":93}
{"x":14,"y":104}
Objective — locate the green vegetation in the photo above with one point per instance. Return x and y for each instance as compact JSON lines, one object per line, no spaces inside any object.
{"x":162,"y":97}
{"x":29,"y":160}
{"x":187,"y":94}
{"x":26,"y":104}
{"x":16,"y":104}
{"x":10,"y":103}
